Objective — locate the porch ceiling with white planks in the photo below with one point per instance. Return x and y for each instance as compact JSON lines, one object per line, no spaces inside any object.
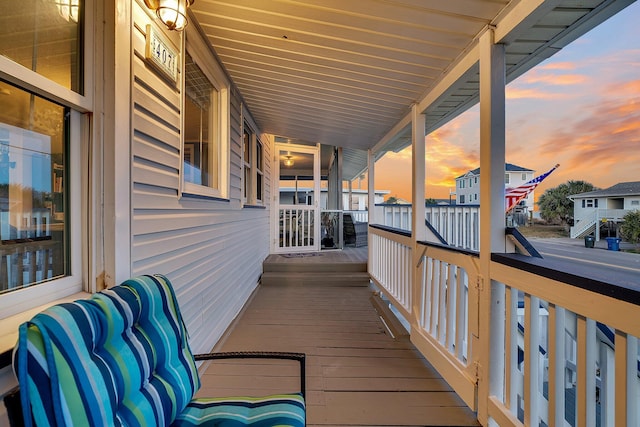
{"x":346,"y":72}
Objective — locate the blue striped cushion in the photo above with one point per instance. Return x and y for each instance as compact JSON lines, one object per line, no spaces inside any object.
{"x":269,"y":411}
{"x":122,"y":358}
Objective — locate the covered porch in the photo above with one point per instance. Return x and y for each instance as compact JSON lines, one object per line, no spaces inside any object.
{"x":361,"y":369}
{"x":521,"y":341}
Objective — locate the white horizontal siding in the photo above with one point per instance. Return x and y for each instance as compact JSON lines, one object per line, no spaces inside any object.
{"x":212,"y":250}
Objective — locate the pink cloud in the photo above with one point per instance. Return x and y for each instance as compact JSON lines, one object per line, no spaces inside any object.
{"x":521,"y":93}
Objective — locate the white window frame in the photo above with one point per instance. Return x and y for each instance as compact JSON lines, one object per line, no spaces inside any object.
{"x":258,"y":170}
{"x":251,"y":198}
{"x":247,"y":175}
{"x":21,"y":300}
{"x":202,"y":56}
{"x":27,"y":301}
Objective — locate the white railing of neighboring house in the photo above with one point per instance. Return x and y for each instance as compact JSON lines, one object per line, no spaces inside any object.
{"x":612,"y":214}
{"x":551,"y":344}
{"x":584,"y":223}
{"x":591,"y":218}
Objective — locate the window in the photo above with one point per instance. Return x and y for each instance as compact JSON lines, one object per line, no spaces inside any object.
{"x":33,"y":189}
{"x":246,"y":163}
{"x":475,"y":179}
{"x":45,"y":37}
{"x":253,"y":166}
{"x":524,"y":177}
{"x":470,"y":182}
{"x":205,"y":123}
{"x":40,"y":161}
{"x":506,"y":178}
{"x":475,"y":196}
{"x":259,"y":171}
{"x":635,"y":202}
{"x":462,"y":183}
{"x":589,"y":203}
{"x":201,"y":110}
{"x":462,"y":199}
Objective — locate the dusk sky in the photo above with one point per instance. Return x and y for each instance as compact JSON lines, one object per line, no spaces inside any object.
{"x":580,"y":108}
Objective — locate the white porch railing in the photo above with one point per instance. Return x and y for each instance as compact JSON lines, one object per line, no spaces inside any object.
{"x":458,"y":225}
{"x":394,"y":274}
{"x":435,"y":303}
{"x":296,"y":227}
{"x":559,"y":340}
{"x":28,"y":261}
{"x":579,"y":345}
{"x":359,"y":216}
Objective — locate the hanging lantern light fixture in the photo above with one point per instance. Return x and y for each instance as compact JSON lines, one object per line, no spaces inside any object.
{"x":288,"y":161}
{"x":172,"y":13}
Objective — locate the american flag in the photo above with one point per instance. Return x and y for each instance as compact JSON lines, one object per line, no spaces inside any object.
{"x":513,"y":196}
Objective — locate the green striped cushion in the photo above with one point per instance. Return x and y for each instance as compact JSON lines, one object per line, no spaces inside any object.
{"x":119,"y":358}
{"x":269,"y":411}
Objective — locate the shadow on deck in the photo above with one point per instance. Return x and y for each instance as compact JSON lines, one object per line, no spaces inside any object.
{"x":357,"y":373}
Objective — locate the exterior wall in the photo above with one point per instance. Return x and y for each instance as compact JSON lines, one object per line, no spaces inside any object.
{"x":580,"y":212}
{"x":632,"y":203}
{"x":628,"y":203}
{"x":211,"y":249}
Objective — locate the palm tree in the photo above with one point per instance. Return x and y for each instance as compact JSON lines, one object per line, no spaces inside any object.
{"x":555,"y":205}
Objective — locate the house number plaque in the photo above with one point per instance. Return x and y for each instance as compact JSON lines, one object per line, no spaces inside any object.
{"x":160,"y":53}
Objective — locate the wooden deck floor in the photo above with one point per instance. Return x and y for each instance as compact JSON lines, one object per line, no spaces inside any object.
{"x":357,"y":374}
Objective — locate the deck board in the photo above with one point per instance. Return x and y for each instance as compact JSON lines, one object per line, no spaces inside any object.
{"x":357,"y":374}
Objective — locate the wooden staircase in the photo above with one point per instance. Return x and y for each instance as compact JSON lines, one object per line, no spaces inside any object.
{"x":317,"y":269}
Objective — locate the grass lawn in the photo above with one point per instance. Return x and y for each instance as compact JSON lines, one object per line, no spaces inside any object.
{"x":544,"y":231}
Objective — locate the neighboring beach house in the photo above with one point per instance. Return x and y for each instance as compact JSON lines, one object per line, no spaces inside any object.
{"x":468,"y":185}
{"x":603,"y":207}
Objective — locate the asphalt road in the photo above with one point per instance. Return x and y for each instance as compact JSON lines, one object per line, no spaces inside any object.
{"x":574,"y":250}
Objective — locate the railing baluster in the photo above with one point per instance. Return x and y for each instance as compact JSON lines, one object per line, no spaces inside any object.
{"x":435,"y":298}
{"x":531,"y":360}
{"x":586,"y":384}
{"x":428,"y":294}
{"x":627,"y":410}
{"x":461,"y":313}
{"x":442,"y":309}
{"x":511,"y":373}
{"x":451,"y":307}
{"x":557,"y":362}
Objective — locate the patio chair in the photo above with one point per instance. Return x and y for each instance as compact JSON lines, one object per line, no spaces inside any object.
{"x":122,"y":358}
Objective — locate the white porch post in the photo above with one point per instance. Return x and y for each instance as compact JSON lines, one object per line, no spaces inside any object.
{"x":418,"y":229}
{"x":370,"y":188}
{"x":492,"y":239}
{"x":418,"y":211}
